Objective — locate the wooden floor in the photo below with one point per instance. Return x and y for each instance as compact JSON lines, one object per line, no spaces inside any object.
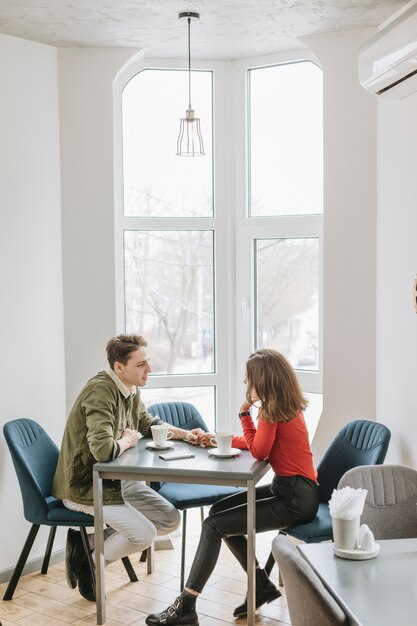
{"x":47,"y":600}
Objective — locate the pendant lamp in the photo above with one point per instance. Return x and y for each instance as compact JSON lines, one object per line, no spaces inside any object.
{"x":190,"y":141}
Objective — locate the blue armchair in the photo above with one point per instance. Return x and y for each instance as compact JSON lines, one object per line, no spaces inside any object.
{"x":35,"y":457}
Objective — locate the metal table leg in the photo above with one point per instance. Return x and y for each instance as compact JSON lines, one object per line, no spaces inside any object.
{"x":251,"y":552}
{"x":99,"y":547}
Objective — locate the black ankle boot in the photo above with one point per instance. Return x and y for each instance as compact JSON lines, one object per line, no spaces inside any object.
{"x":265,"y":592}
{"x":74,"y":557}
{"x":181,"y":613}
{"x":85,"y":584}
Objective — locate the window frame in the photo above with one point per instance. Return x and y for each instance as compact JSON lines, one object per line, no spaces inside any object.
{"x":222,"y":379}
{"x":249,"y":228}
{"x":234,"y":230}
{"x":249,"y":231}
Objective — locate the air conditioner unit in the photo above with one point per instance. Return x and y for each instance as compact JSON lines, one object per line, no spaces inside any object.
{"x":388,"y":61}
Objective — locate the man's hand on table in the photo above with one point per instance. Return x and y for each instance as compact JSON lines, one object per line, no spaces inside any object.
{"x":199,"y":437}
{"x":128,"y":439}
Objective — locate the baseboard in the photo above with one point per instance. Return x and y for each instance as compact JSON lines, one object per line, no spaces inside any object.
{"x":32,"y":566}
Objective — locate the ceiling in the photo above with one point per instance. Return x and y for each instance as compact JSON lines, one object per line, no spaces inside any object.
{"x":228,"y":29}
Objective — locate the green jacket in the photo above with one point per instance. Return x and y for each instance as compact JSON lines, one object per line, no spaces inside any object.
{"x":97,"y":419}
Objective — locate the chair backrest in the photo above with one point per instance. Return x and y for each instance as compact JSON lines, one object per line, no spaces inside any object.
{"x":309,"y":602}
{"x":35,"y":457}
{"x":181,"y":414}
{"x":390,"y":508}
{"x":360,"y":442}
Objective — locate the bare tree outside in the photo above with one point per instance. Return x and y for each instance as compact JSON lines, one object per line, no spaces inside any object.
{"x":169,"y":283}
{"x":287,"y":275}
{"x":169,"y":296}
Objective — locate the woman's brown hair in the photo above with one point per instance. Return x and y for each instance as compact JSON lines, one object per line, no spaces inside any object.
{"x":273,"y":379}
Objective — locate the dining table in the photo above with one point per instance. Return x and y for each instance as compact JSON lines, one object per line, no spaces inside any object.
{"x":379,"y":591}
{"x":142,"y":463}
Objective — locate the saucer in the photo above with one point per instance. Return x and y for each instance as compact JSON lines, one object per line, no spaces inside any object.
{"x":215,"y":452}
{"x":152,"y":446}
{"x":357,"y":554}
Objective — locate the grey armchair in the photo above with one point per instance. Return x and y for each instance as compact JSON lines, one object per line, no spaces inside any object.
{"x":390,"y":508}
{"x":309,"y":602}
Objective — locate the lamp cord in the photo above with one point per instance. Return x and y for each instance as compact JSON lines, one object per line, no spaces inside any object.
{"x":189,"y":65}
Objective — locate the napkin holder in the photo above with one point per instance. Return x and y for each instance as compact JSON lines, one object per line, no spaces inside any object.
{"x":353,"y":542}
{"x":346,"y":533}
{"x":350,"y":540}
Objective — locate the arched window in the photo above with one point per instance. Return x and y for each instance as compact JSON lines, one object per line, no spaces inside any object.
{"x":220,"y":255}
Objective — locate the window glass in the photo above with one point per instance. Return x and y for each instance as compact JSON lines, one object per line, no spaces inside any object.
{"x":169,"y":259}
{"x":157,"y":182}
{"x":203,"y":398}
{"x":286,"y":140}
{"x":169,"y":297}
{"x":287,"y":298}
{"x":313,"y":412}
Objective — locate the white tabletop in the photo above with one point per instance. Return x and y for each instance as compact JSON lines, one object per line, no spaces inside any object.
{"x":376,"y":592}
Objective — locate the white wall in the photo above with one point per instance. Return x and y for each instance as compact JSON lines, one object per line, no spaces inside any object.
{"x":397,"y":269}
{"x":31,"y":312}
{"x":32,"y":371}
{"x":86,"y":77}
{"x":86,"y":121}
{"x":349,"y":284}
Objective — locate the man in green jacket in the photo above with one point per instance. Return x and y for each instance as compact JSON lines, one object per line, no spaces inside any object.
{"x":109,"y":417}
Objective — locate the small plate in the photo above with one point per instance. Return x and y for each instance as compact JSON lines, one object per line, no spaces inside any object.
{"x":358,"y":554}
{"x":152,"y":446}
{"x":215,"y":452}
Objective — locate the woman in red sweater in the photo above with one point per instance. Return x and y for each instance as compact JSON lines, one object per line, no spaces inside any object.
{"x":291,"y":498}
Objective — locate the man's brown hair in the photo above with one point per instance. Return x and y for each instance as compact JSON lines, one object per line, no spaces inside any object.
{"x":119,"y":348}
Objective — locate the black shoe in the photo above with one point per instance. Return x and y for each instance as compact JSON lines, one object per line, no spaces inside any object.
{"x":265,"y":592}
{"x":181,"y":613}
{"x":85,"y":585}
{"x":74,"y":556}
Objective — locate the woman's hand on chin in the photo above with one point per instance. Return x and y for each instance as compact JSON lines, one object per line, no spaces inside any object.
{"x":246,"y":406}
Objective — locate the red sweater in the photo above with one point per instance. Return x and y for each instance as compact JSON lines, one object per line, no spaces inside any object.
{"x":284,"y":444}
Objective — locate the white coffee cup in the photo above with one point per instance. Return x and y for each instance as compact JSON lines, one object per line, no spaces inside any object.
{"x":160,"y":434}
{"x":223,"y":441}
